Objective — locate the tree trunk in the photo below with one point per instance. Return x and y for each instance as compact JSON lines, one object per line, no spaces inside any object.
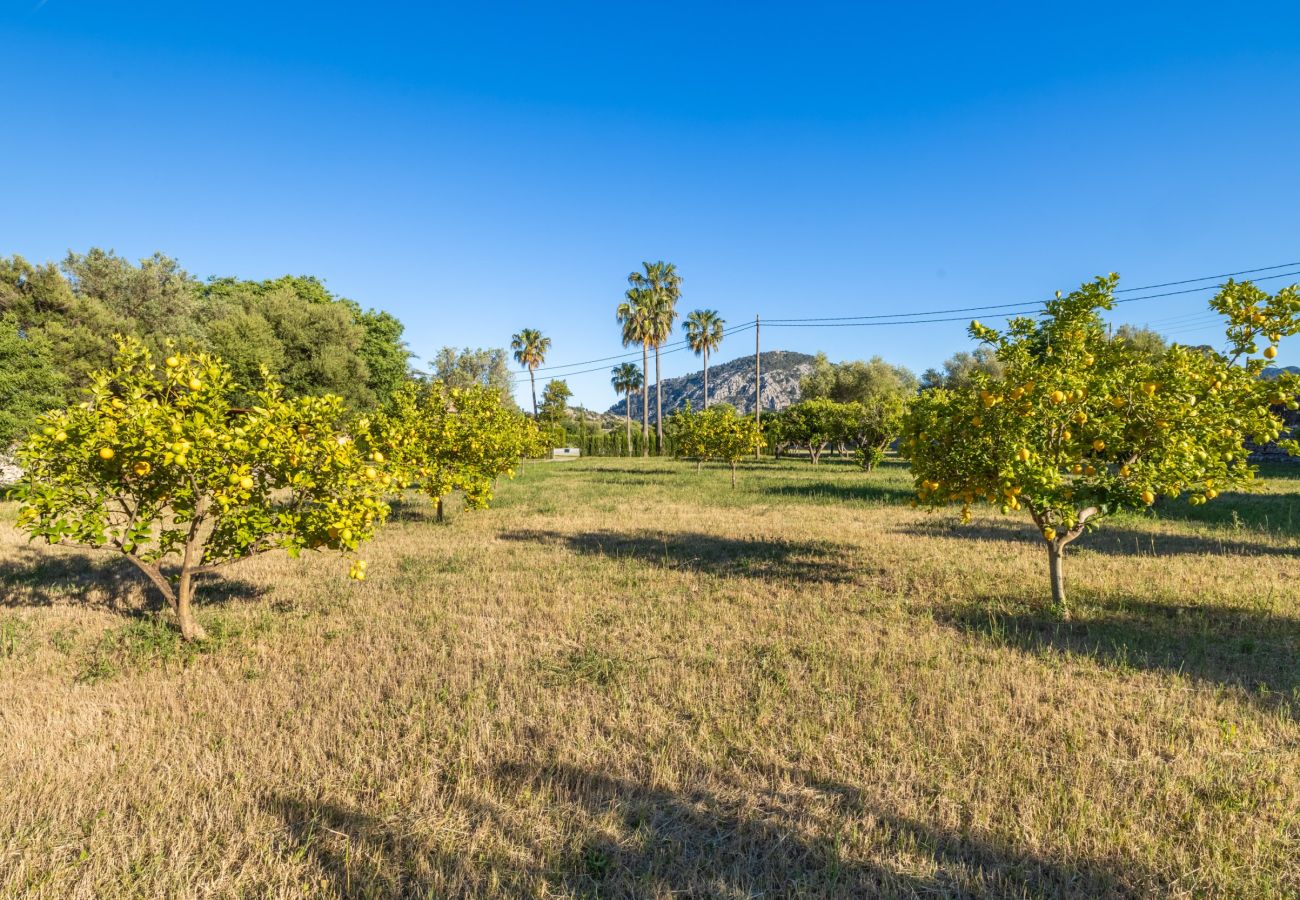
{"x":1056,"y":568}
{"x":191,"y":630}
{"x":699,"y":466}
{"x":659,"y":404}
{"x":441,"y":513}
{"x":627,"y":451}
{"x":645,"y":399}
{"x":815,"y":452}
{"x":706,"y":377}
{"x":532,"y":377}
{"x":733,"y":475}
{"x":180,"y":600}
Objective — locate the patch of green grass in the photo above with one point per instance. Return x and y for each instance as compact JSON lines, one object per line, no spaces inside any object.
{"x":151,"y":641}
{"x":585,"y":664}
{"x":13,"y":636}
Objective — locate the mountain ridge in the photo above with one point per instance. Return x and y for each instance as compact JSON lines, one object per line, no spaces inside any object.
{"x":730,"y":382}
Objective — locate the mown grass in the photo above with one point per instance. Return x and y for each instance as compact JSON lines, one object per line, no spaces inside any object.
{"x":629,"y":680}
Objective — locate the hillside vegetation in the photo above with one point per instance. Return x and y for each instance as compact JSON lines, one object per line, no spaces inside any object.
{"x":628,"y":679}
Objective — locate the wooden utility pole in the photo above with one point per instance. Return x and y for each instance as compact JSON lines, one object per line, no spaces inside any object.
{"x":758,"y":390}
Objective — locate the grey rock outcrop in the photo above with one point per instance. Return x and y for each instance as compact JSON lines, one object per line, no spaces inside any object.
{"x":731,"y":382}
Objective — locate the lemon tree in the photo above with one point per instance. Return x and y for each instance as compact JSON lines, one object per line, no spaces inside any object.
{"x":445,"y":439}
{"x":1080,"y":425}
{"x":160,"y":466}
{"x":717,"y":433}
{"x":686,"y":429}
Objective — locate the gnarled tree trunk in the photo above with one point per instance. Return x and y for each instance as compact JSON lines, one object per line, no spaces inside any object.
{"x":179,"y":598}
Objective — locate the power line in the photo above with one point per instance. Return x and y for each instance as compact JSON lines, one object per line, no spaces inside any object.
{"x":930,"y":317}
{"x":681,"y":344}
{"x":676,"y":347}
{"x":858,"y":321}
{"x":1036,"y":303}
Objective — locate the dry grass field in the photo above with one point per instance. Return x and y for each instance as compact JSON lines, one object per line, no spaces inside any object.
{"x":627,"y":680}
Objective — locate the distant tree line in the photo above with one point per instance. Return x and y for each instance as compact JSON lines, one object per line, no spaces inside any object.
{"x":58,"y":321}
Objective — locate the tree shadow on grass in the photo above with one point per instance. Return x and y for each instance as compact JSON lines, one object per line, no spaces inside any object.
{"x":744,"y":843}
{"x":46,"y":578}
{"x":753,"y":842}
{"x":1112,"y":537}
{"x":1265,"y":513}
{"x":417,"y":508}
{"x":768,"y":560}
{"x":625,"y":480}
{"x":633,"y":470}
{"x":1253,"y":651}
{"x":358,"y":854}
{"x":841,"y":492}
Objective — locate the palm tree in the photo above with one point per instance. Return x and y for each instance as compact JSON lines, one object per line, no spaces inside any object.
{"x":662,"y":287}
{"x":530,"y":350}
{"x":634,"y":314}
{"x":626,"y":378}
{"x":704,"y":333}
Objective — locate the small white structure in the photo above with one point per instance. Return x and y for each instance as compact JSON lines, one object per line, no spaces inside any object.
{"x":566,"y":453}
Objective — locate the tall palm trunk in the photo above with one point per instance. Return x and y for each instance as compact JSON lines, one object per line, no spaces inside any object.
{"x":645,"y":399}
{"x":706,"y":377}
{"x":659,"y":403}
{"x":532,"y":376}
{"x":627,"y":410}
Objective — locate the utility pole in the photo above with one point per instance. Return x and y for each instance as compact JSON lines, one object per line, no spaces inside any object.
{"x":758,"y":390}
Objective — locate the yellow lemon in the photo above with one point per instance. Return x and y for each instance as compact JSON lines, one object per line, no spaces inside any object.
{"x":105,"y":452}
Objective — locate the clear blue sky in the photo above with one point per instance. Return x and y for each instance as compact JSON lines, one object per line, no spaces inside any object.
{"x":475,"y":172}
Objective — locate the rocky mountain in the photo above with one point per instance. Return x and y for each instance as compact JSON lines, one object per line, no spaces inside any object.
{"x":730,"y":382}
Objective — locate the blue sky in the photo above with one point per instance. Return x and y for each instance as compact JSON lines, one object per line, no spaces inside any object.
{"x":478,"y":169}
